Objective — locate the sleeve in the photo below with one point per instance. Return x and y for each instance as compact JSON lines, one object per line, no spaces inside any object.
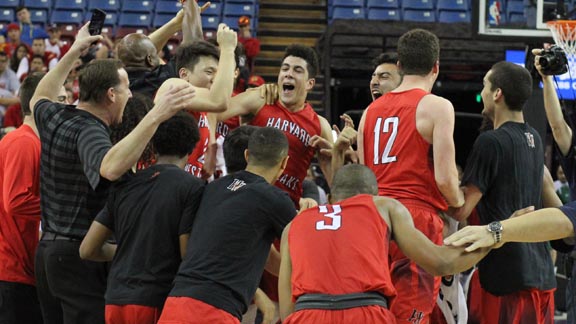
{"x":23,"y":67}
{"x":285,"y":211}
{"x":93,"y":144}
{"x":568,"y":162}
{"x":191,"y":207}
{"x":52,"y":63}
{"x":19,"y":185}
{"x":482,"y":166}
{"x":42,"y":112}
{"x":105,"y":218}
{"x":570,"y":211}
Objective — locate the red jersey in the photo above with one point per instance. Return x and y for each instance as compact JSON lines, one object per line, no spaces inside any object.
{"x":13,"y":116}
{"x":196,"y":159}
{"x":298,"y":127}
{"x":340,"y":249}
{"x":397,"y":154}
{"x":19,"y":204}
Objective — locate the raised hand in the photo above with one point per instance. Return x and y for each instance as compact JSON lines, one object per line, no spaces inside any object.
{"x":226,"y":38}
{"x":84,"y":39}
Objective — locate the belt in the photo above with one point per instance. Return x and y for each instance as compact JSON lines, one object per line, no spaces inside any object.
{"x":336,"y":302}
{"x":49,"y":236}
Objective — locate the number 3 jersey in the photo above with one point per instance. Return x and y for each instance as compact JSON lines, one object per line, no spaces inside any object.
{"x":298,"y":127}
{"x":350,"y":253}
{"x":394,"y":150}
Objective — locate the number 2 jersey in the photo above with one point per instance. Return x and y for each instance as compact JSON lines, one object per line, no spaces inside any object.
{"x":298,"y":127}
{"x":350,"y":243}
{"x":398,"y":155}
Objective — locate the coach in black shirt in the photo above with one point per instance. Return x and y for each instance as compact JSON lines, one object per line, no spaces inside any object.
{"x":238,"y":218}
{"x":76,"y":165}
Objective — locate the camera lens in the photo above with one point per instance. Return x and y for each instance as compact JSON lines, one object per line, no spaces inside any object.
{"x":544,"y":61}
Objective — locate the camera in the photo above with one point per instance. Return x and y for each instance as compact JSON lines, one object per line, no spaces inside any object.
{"x":553,"y":61}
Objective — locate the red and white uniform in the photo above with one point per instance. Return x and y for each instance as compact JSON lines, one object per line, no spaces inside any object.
{"x":298,"y":127}
{"x":395,"y":151}
{"x":196,"y":159}
{"x":341,"y":249}
{"x":402,"y":161}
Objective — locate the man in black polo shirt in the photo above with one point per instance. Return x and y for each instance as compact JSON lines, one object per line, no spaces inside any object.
{"x":504,"y":173}
{"x":238,"y":218}
{"x":151,"y":214}
{"x":77,"y":164}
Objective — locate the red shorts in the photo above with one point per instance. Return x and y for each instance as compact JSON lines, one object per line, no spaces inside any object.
{"x":185,"y":310}
{"x":131,"y":314}
{"x":417,"y":289}
{"x":525,"y":306}
{"x":367,"y":314}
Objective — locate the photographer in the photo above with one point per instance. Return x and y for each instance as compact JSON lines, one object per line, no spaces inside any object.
{"x":565,"y":141}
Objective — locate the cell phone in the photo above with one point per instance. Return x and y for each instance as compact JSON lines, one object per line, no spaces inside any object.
{"x":96,"y":22}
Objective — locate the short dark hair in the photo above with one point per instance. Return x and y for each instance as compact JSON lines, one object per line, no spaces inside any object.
{"x":136,"y":108}
{"x":267,"y":147}
{"x":353,"y":179}
{"x":187,"y":56}
{"x":27,"y":89}
{"x":235,"y":144}
{"x":418,"y":51}
{"x":20,"y":8}
{"x":97,"y":77}
{"x":177,"y":136}
{"x":514,"y":81}
{"x":2,"y":53}
{"x":307,"y":54}
{"x":385,"y":58}
{"x":38,"y":56}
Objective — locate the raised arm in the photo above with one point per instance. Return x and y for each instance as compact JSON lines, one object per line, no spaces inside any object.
{"x":325,"y":162}
{"x":285,"y":279}
{"x":560,"y":129}
{"x":57,"y":75}
{"x":436,"y":260}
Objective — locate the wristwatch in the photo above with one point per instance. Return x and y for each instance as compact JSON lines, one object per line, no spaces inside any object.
{"x":496,"y":229}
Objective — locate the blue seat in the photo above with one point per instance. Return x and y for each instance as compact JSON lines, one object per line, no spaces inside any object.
{"x":249,"y":2}
{"x":70,"y":5}
{"x":10,"y":3}
{"x":210,"y":22}
{"x":348,"y":3}
{"x":215,"y":9}
{"x":106,"y":5}
{"x":384,"y":14}
{"x":168,"y":7}
{"x":446,"y":16}
{"x":385,"y":4}
{"x":143,"y":6}
{"x":111,"y":19}
{"x":39,"y":16}
{"x":7,"y":15}
{"x":38,"y":4}
{"x":129,"y":19}
{"x":237,"y":10}
{"x":418,"y":4}
{"x":452,"y":5}
{"x":161,"y":19}
{"x":348,"y":13}
{"x":67,"y":17}
{"x":419,"y":15}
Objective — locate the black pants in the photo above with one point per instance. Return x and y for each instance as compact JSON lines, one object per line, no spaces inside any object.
{"x":70,"y":290}
{"x":19,"y":304}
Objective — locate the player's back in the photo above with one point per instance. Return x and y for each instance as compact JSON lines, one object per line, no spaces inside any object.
{"x":340,"y":249}
{"x":396,"y":152}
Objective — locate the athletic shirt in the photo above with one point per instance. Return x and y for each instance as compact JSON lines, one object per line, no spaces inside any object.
{"x":350,"y":253}
{"x":298,"y":127}
{"x":399,"y":156}
{"x":196,"y":158}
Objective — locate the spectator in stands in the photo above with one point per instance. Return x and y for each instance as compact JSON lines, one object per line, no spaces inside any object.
{"x":9,"y":85}
{"x":28,"y":31}
{"x":13,"y":37}
{"x":139,"y":53}
{"x":38,"y":48}
{"x":77,"y":165}
{"x":54,"y":44}
{"x":20,"y":213}
{"x":251,"y":44}
{"x":255,"y":81}
{"x":386,"y":76}
{"x":20,"y":52}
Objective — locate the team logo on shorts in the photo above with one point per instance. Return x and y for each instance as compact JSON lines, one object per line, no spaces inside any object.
{"x":416,"y":317}
{"x":236,"y":184}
